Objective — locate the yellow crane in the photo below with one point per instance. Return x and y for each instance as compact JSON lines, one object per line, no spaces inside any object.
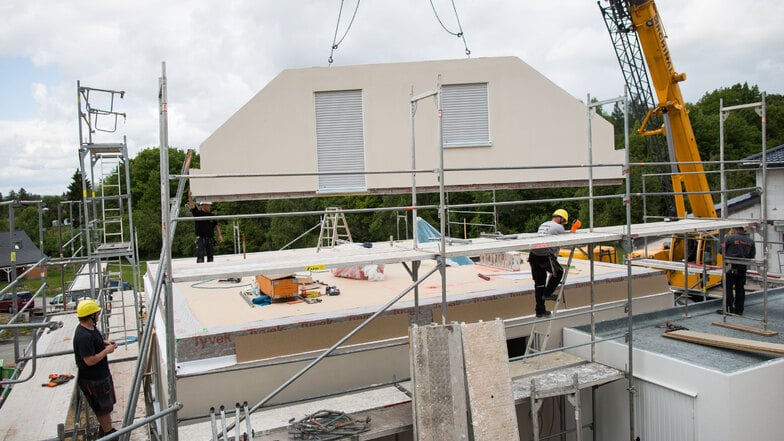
{"x":638,"y":33}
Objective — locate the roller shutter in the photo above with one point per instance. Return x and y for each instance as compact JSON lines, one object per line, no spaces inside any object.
{"x":340,"y":140}
{"x":465,"y":115}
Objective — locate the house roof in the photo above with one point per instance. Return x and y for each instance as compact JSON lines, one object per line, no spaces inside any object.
{"x":27,"y":254}
{"x":774,"y":158}
{"x":739,"y":203}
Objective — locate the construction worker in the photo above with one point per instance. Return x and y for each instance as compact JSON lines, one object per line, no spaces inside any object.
{"x":544,"y":262}
{"x":737,"y":244}
{"x":95,"y":378}
{"x":206,"y":230}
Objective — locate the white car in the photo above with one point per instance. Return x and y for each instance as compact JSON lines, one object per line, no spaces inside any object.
{"x":57,"y":301}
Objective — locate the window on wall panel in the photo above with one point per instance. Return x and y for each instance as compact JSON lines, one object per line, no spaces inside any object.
{"x":465,"y":119}
{"x":340,"y":140}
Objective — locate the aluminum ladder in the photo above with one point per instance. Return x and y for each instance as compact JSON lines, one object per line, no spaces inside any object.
{"x":334,"y":229}
{"x":537,"y":341}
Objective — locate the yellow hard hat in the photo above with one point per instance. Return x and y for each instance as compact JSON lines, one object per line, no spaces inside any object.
{"x":86,"y":308}
{"x":561,"y":212}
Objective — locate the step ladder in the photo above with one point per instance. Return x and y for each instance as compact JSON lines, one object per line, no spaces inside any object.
{"x":537,"y":341}
{"x":334,"y":229}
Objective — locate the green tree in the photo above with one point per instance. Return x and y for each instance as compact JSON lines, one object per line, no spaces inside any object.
{"x":74,"y":192}
{"x":146,"y":200}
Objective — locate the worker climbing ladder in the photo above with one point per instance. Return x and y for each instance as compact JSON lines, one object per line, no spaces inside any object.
{"x":334,"y":229}
{"x":537,"y":341}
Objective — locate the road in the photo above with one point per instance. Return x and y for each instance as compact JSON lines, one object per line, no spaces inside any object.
{"x":7,"y":343}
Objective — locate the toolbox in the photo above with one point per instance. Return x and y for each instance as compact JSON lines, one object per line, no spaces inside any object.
{"x":278,"y":286}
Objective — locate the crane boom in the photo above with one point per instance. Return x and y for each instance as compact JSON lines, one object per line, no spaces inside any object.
{"x":666,"y":115}
{"x":677,"y":127}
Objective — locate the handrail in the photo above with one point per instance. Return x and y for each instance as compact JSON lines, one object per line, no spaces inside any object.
{"x":129,"y":428}
{"x":51,"y":325}
{"x":21,"y":276}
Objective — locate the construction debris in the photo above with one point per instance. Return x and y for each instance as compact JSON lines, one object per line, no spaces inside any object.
{"x":327,"y":425}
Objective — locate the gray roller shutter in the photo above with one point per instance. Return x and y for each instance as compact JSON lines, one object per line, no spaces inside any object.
{"x":340,"y":140}
{"x":465,"y":115}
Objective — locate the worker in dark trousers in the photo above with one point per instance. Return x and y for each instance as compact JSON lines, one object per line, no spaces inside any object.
{"x":91,"y":351}
{"x":737,"y":244}
{"x":206,"y":230}
{"x":544,"y":262}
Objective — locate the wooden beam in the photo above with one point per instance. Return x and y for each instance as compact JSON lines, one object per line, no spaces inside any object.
{"x":739,"y":344}
{"x":744,"y":328}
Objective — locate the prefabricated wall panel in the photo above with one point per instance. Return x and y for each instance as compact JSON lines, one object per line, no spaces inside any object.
{"x":531,"y":122}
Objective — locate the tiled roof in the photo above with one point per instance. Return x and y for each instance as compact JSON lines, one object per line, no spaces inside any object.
{"x":29,"y":253}
{"x":774,"y":157}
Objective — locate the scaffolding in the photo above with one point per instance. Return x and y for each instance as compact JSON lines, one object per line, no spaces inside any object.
{"x":293,"y":261}
{"x":107,"y":224}
{"x":440,"y":252}
{"x":101,"y":243}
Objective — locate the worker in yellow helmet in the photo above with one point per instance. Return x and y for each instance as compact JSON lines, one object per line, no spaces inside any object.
{"x":95,"y":378}
{"x":544,"y":262}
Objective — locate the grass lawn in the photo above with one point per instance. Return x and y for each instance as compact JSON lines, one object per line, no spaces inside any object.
{"x":58,"y":276}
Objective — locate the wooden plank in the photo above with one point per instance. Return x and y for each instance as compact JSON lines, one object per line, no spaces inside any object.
{"x":739,"y":344}
{"x":492,"y":406}
{"x":744,"y":328}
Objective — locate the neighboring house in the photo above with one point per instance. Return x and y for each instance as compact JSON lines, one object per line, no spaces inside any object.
{"x":497,"y":112}
{"x":27,"y":254}
{"x":774,"y":191}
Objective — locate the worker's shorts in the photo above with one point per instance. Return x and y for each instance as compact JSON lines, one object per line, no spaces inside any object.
{"x":99,"y":394}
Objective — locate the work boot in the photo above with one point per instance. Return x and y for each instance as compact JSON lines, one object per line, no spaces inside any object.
{"x":543,"y":314}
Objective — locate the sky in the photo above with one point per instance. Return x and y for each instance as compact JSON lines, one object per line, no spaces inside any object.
{"x":219,"y":54}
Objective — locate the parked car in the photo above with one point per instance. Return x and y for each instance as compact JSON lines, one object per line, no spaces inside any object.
{"x":7,"y":302}
{"x":57,"y":301}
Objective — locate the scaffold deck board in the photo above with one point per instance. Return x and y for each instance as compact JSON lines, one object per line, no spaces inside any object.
{"x":303,"y":259}
{"x":554,"y":375}
{"x":388,"y":407}
{"x":438,"y":378}
{"x":490,"y":399}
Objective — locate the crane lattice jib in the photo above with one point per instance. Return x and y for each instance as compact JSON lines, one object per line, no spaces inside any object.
{"x":653,"y":39}
{"x":627,"y":49}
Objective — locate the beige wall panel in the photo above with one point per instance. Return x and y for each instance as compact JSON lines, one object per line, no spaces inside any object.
{"x":274,"y":344}
{"x":532,"y":123}
{"x":523,"y":303}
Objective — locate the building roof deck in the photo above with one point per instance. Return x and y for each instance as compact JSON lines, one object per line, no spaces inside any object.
{"x":206,"y":309}
{"x":648,"y":330}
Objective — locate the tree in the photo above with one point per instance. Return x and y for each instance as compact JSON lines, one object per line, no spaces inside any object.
{"x":146,"y":200}
{"x":75,"y":192}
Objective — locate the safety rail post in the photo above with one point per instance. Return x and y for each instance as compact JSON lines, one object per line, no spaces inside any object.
{"x":724,"y":113}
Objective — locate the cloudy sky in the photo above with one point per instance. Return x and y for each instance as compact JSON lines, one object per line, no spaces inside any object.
{"x":220,"y":53}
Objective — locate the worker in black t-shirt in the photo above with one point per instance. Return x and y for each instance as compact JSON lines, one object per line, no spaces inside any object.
{"x":90,"y":351}
{"x":205,"y":230}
